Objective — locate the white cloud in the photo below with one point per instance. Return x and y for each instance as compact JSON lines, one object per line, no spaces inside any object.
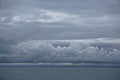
{"x":49,"y":16}
{"x":43,"y":16}
{"x":68,"y":50}
{"x":2,"y":19}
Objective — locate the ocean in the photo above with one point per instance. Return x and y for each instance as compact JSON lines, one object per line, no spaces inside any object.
{"x":60,"y":73}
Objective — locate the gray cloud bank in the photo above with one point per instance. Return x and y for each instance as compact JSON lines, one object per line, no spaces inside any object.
{"x":105,"y":50}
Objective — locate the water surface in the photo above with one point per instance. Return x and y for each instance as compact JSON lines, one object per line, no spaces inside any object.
{"x":59,"y":73}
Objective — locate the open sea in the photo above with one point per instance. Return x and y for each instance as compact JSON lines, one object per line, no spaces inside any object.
{"x":59,"y":73}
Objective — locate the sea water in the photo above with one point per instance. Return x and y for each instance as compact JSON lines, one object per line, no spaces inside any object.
{"x":60,"y":73}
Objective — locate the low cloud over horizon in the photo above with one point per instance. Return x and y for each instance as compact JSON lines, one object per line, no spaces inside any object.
{"x":104,"y":50}
{"x":29,"y":24}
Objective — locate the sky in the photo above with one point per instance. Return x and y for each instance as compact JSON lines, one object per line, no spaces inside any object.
{"x":54,"y":19}
{"x":29,"y":20}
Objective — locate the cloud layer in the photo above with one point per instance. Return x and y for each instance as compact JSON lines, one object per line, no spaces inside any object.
{"x":39,"y":16}
{"x":66,"y":50}
{"x":43,"y":30}
{"x":52,"y":17}
{"x":29,"y":20}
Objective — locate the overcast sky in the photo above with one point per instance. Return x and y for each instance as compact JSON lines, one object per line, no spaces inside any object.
{"x":59,"y":19}
{"x":24,"y":23}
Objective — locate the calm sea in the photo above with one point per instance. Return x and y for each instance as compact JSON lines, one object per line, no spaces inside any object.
{"x":60,"y":73}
